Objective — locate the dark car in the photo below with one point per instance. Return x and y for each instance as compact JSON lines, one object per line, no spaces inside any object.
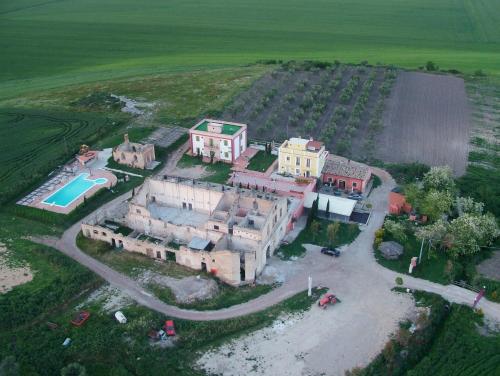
{"x":354,"y":196}
{"x":330,"y":252}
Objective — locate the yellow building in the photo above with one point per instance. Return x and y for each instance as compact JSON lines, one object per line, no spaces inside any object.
{"x":301,"y":157}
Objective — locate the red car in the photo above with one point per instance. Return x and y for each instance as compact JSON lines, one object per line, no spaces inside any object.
{"x":327,"y":299}
{"x":80,"y":318}
{"x":169,"y":328}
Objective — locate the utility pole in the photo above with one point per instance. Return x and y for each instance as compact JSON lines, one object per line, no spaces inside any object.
{"x":421,"y":249}
{"x":309,"y":286}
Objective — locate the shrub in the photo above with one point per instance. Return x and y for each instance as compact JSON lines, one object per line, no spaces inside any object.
{"x":399,"y":281}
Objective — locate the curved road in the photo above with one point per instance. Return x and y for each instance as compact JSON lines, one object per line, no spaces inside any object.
{"x":357,"y":262}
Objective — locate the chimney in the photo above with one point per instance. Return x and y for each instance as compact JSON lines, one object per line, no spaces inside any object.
{"x":125,"y":138}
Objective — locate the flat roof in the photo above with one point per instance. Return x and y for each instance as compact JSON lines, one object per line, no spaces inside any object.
{"x":227,"y":128}
{"x":338,"y":205}
{"x":198,"y":243}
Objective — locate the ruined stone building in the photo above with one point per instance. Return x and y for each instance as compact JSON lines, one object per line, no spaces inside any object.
{"x":134,"y":154}
{"x":226,"y":231}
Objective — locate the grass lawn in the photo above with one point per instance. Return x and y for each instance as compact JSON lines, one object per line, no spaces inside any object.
{"x":345,"y":235}
{"x":432,"y":267}
{"x":261,"y":161}
{"x":88,"y":41}
{"x":219,"y":171}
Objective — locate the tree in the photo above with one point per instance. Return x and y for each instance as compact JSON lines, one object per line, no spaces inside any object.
{"x":327,"y":209}
{"x":315,"y":227}
{"x":396,"y":229}
{"x":436,"y":203}
{"x":465,"y":205}
{"x":74,"y":369}
{"x":471,"y":232}
{"x":313,"y":212}
{"x":413,"y":194}
{"x":212,"y":155}
{"x":9,"y":367}
{"x":435,"y":234}
{"x":439,"y":178}
{"x":331,"y":231}
{"x":431,"y":66}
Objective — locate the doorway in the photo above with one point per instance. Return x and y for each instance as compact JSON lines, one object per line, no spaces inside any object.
{"x":113,"y":243}
{"x":341,"y":184}
{"x":204,"y":267}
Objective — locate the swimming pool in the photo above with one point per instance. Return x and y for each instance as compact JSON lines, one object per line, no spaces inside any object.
{"x":68,"y":193}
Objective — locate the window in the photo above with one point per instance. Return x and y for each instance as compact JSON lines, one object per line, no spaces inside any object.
{"x":226,"y":155}
{"x":184,"y":205}
{"x":211,"y":142}
{"x":308,"y":162}
{"x":288,"y":158}
{"x":138,"y":211}
{"x":330,"y":180}
{"x":190,"y":206}
{"x":297,"y":171}
{"x":216,"y":227}
{"x":308,"y":173}
{"x":225,"y":142}
{"x":158,"y":254}
{"x":354,"y":184}
{"x":96,"y":232}
{"x":103,"y":233}
{"x":281,"y":212}
{"x":297,"y":161}
{"x":197,"y":138}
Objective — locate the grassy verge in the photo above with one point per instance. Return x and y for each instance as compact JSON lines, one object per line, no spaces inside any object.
{"x":345,"y":235}
{"x":218,"y":171}
{"x":129,"y":263}
{"x":227,"y":296}
{"x":261,"y":161}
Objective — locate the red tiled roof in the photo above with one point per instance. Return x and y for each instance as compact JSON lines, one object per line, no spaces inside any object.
{"x":316,"y":145}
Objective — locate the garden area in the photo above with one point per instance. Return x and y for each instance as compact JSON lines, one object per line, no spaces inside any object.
{"x":341,"y":105}
{"x":458,"y":235}
{"x":217,"y":172}
{"x":261,"y":161}
{"x":320,"y":232}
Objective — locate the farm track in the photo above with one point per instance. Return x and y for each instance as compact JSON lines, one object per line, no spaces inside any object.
{"x":427,"y":120}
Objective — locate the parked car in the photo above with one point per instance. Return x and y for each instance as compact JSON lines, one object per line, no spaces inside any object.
{"x":330,"y":252}
{"x":169,"y":328}
{"x":355,"y":196}
{"x":80,"y":318}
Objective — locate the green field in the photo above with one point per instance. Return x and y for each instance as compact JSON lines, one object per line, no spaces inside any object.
{"x":33,"y":143}
{"x":48,"y":44}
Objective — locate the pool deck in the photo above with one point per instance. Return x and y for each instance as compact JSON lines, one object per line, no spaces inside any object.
{"x":64,"y":178}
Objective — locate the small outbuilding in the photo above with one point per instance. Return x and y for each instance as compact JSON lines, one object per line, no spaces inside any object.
{"x":391,"y":250}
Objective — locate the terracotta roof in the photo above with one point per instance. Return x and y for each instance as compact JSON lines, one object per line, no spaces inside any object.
{"x":345,"y":167}
{"x":316,"y":145}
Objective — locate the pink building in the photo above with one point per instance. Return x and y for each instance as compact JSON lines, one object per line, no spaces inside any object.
{"x":345,"y":174}
{"x":218,"y":140}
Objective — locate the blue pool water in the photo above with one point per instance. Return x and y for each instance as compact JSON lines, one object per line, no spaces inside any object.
{"x":72,"y":190}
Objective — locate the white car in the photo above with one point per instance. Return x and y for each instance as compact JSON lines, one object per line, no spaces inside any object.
{"x":120,"y":317}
